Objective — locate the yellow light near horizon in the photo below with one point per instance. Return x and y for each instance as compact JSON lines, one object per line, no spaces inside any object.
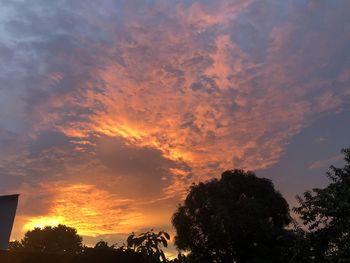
{"x":42,"y":221}
{"x":88,"y":209}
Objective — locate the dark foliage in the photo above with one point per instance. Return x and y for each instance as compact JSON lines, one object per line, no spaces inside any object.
{"x":61,"y":244}
{"x":15,"y":246}
{"x":89,"y":256}
{"x":326,"y":214}
{"x":239,"y":217}
{"x":35,"y":257}
{"x":110,"y":255}
{"x":295,"y":246}
{"x":149,"y":244}
{"x":58,"y":239}
{"x":181,"y":259}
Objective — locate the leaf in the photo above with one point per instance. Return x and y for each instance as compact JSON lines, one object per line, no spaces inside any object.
{"x":130,"y":240}
{"x":166,"y":235}
{"x":165,"y":243}
{"x":139,"y":240}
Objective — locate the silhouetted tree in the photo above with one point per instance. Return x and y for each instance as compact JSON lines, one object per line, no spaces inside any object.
{"x":103,"y":252}
{"x":58,"y":239}
{"x":239,"y":218}
{"x":326,"y":214}
{"x":296,"y":245}
{"x":181,"y":259}
{"x":104,"y":245}
{"x":150,"y":244}
{"x":15,"y":246}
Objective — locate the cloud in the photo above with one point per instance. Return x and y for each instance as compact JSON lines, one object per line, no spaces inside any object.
{"x":90,"y":210}
{"x":141,"y":98}
{"x":320,"y":164}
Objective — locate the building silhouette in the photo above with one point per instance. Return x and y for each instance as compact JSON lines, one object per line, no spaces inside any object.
{"x":8,"y":206}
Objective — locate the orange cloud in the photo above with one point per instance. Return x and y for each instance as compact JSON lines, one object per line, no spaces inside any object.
{"x":90,"y":210}
{"x":209,"y":105}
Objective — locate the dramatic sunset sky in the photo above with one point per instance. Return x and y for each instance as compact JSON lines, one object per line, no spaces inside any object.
{"x":109,"y":110}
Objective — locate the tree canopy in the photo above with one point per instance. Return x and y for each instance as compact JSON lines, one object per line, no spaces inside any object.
{"x":326,"y":214}
{"x":58,"y":239}
{"x":240,"y":217}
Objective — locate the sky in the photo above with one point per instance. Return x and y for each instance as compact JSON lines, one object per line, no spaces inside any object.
{"x":110,"y":110}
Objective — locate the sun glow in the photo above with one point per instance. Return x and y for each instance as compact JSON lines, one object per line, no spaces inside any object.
{"x":90,"y":210}
{"x":42,"y":221}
